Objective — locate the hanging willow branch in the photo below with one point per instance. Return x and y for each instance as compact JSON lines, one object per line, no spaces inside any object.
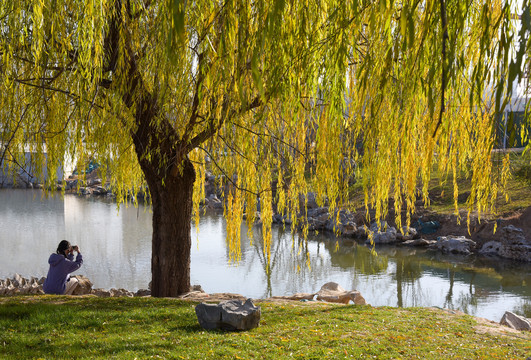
{"x":444,"y":68}
{"x":315,"y":92}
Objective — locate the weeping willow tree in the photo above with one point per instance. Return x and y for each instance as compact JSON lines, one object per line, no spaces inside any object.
{"x":308,"y":94}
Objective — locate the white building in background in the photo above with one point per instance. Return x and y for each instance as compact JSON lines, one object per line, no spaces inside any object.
{"x":513,"y":124}
{"x":25,"y":174}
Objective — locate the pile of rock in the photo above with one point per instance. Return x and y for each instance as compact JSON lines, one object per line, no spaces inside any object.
{"x":319,"y":219}
{"x":92,"y":186}
{"x":19,"y":285}
{"x":454,"y":245}
{"x":119,"y":292}
{"x":84,"y":287}
{"x":212,"y":202}
{"x":511,"y":244}
{"x":329,"y":292}
{"x":382,"y":233}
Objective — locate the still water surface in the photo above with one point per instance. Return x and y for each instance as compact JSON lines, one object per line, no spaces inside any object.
{"x":116,"y":248}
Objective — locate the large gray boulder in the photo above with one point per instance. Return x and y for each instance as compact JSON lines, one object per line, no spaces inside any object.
{"x":342,"y":223}
{"x":516,"y":252}
{"x":84,"y":285}
{"x":213,"y":202}
{"x":491,"y":248}
{"x":143,"y":293}
{"x":383,"y":234}
{"x":229,"y":315}
{"x":317,"y":219}
{"x":511,"y":244}
{"x":511,"y":235}
{"x":455,"y":244}
{"x":407,"y":233}
{"x":347,"y":229}
{"x":516,"y":322}
{"x":333,"y":292}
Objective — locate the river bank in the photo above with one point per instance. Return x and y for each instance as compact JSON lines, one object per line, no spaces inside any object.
{"x":330,"y":292}
{"x":506,"y":235}
{"x":479,"y":229}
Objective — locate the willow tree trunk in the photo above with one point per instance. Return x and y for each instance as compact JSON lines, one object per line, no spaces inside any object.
{"x":170,"y":178}
{"x":171,"y":242}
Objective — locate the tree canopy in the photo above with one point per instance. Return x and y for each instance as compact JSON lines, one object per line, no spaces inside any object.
{"x":307,"y":94}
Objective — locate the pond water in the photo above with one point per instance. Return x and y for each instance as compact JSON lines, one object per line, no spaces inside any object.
{"x":116,"y":246}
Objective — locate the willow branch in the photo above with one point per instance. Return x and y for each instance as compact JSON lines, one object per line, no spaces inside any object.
{"x":212,"y":128}
{"x":6,"y":146}
{"x":443,"y":54}
{"x":273,"y":137}
{"x":229,"y":178}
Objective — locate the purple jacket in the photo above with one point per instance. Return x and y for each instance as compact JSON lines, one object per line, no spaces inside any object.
{"x":59,"y":273}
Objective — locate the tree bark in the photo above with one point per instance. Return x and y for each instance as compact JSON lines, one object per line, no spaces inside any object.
{"x":170,"y":177}
{"x":171,"y":242}
{"x":162,"y":156}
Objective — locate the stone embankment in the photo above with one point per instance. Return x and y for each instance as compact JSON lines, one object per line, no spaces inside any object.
{"x":509,"y":242}
{"x":329,"y":292}
{"x":19,"y":285}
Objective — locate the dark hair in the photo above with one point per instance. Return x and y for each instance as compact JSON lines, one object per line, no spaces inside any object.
{"x":63,"y":245}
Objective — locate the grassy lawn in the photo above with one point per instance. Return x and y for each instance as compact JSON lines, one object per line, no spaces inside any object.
{"x":441,"y":189}
{"x":51,"y":327}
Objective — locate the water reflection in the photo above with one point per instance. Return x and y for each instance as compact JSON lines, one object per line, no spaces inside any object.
{"x":117,"y":250}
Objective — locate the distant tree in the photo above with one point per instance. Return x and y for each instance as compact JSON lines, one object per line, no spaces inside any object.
{"x":150,"y":89}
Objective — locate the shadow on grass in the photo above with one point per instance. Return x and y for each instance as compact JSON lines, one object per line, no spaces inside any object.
{"x":15,"y":312}
{"x":190,"y":329}
{"x":65,"y":327}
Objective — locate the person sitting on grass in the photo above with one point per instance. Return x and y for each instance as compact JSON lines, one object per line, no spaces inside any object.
{"x":62,"y":264}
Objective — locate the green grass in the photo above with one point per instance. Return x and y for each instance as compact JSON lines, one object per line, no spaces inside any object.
{"x":48,"y":327}
{"x":441,"y":191}
{"x":517,"y":189}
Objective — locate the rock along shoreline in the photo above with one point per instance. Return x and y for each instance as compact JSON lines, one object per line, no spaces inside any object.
{"x":329,"y":293}
{"x":444,"y":233}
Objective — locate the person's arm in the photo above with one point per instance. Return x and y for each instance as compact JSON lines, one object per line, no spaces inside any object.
{"x":74,"y":265}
